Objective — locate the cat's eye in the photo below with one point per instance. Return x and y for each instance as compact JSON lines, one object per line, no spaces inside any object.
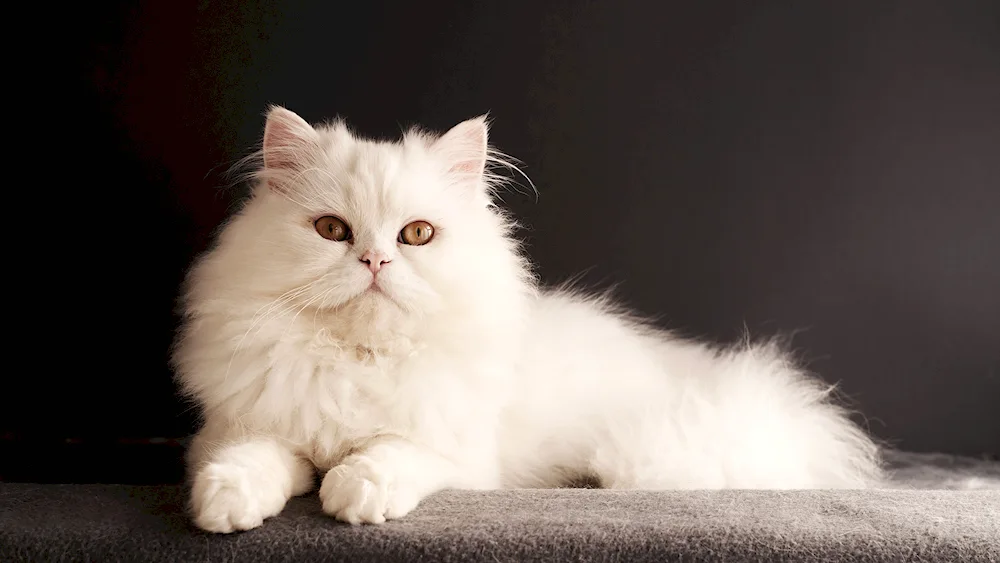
{"x":416,"y":233}
{"x":332,"y":228}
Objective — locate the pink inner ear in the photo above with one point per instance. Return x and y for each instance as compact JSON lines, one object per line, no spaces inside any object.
{"x":278,"y":143}
{"x":465,"y":146}
{"x":287,"y":140}
{"x":468,"y":167}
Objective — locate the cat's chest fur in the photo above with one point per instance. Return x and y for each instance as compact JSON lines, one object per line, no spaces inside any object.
{"x":320,"y":394}
{"x":323,"y":395}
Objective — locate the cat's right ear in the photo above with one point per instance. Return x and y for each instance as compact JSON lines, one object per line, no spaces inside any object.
{"x":290,"y":146}
{"x":464,"y":150}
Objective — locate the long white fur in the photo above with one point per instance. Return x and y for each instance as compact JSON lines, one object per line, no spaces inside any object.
{"x":462,"y":373}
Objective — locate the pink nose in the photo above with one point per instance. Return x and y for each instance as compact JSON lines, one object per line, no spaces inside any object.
{"x":374,"y":260}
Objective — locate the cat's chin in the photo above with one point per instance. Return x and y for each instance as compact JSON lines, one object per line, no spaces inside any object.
{"x":368,"y":298}
{"x":373,"y":320}
{"x":376,"y":291}
{"x":374,"y":304}
{"x":377,"y":296}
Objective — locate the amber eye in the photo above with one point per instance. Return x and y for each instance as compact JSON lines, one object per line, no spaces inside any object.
{"x":332,"y":228}
{"x":416,"y":233}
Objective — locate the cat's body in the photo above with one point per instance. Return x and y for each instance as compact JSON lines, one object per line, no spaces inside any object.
{"x":400,"y":365}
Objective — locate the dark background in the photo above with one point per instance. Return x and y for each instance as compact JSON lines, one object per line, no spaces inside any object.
{"x":830,"y":167}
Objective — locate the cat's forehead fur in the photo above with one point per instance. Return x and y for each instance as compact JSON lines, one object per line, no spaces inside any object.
{"x":379,"y":180}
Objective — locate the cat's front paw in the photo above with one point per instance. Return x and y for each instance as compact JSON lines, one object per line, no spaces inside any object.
{"x":361,"y":490}
{"x":226,"y":497}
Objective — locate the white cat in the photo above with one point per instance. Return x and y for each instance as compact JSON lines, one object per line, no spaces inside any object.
{"x":368,"y":314}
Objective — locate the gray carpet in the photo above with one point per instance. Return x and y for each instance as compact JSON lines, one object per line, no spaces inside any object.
{"x":136,"y":523}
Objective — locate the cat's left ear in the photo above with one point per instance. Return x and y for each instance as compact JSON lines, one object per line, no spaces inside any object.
{"x":290,"y":146}
{"x":464,"y":148}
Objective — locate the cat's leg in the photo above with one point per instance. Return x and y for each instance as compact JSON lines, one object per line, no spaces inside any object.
{"x":236,"y":484}
{"x":383,"y":480}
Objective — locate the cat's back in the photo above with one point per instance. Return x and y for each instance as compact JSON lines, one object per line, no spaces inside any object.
{"x":591,"y":367}
{"x":592,"y":334}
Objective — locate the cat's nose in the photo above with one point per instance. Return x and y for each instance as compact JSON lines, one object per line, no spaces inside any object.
{"x":375,"y":260}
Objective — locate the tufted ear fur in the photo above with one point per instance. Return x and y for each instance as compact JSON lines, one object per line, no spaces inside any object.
{"x":290,"y":146}
{"x":464,"y":149}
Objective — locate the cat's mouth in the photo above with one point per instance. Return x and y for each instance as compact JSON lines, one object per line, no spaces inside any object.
{"x":376,"y":290}
{"x":378,"y":293}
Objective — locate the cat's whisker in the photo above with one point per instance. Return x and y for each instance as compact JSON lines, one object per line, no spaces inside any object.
{"x":285,"y":307}
{"x":277,"y":307}
{"x":302,"y":308}
{"x":287,"y":297}
{"x":495,"y":158}
{"x":322,"y":305}
{"x":290,"y":294}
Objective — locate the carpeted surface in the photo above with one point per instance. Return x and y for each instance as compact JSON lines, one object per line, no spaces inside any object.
{"x":147,"y":523}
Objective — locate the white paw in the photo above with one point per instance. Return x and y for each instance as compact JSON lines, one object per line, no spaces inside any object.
{"x":226,"y":497}
{"x":363,"y":491}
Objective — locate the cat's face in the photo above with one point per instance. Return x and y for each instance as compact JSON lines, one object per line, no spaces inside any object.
{"x":381,"y":232}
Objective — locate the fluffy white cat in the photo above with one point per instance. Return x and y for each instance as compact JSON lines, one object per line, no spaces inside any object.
{"x":368,"y":315}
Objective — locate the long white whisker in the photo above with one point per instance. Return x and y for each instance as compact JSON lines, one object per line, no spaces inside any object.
{"x":296,"y":315}
{"x":275,"y":309}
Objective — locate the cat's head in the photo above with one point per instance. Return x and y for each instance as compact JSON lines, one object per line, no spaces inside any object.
{"x":380,"y":237}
